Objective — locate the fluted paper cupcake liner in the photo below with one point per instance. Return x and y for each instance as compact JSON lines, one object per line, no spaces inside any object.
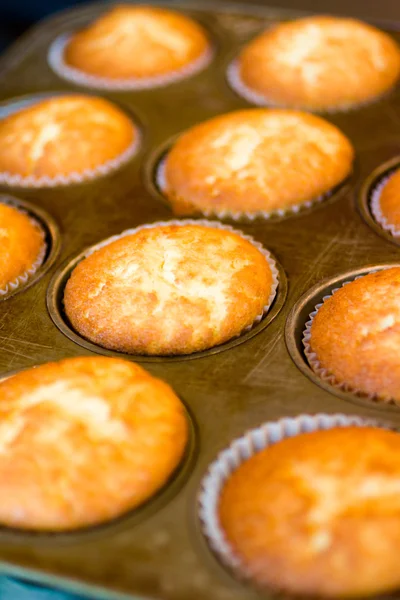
{"x":239,"y":451}
{"x":215,"y":225}
{"x":312,"y":357}
{"x":19,"y":281}
{"x":78,"y":77}
{"x":375,"y":205}
{"x":31,"y":181}
{"x":243,"y":215}
{"x":237,"y":84}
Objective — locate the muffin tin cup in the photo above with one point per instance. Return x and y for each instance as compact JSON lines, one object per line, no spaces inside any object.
{"x":239,"y":87}
{"x":375,"y":207}
{"x":160,"y":185}
{"x":239,"y":451}
{"x":47,"y":253}
{"x":276,"y":281}
{"x":324,"y":373}
{"x":72,"y":74}
{"x":22,"y":279}
{"x":30,"y":181}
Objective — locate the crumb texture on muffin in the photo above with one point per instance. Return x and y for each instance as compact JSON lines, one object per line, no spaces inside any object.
{"x":169,"y":289}
{"x":320,"y":63}
{"x":131,"y":42}
{"x":356,"y":334}
{"x":318,"y":514}
{"x":84,"y":440}
{"x":255,"y":160}
{"x":389,"y":201}
{"x":63,"y":135}
{"x":22,"y":244}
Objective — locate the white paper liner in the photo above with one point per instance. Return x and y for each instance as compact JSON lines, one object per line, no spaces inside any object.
{"x":312,"y":358}
{"x":238,"y":86}
{"x":12,"y":286}
{"x":78,"y":77}
{"x":240,"y":450}
{"x":31,"y":181}
{"x":375,"y":205}
{"x":216,"y":225}
{"x":243,"y":215}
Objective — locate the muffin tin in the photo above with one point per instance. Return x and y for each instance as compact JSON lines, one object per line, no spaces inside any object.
{"x":160,"y":551}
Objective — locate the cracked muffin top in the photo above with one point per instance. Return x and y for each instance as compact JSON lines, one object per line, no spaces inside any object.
{"x":255,"y":160}
{"x":84,"y":440}
{"x":63,"y":135}
{"x":355,"y":335}
{"x":137,"y":42}
{"x":320,"y":63}
{"x":168,"y":289}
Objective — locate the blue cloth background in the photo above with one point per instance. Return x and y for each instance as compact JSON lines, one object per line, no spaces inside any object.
{"x":12,"y":589}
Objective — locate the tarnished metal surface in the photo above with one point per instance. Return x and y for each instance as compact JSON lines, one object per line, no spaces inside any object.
{"x":159,"y":552}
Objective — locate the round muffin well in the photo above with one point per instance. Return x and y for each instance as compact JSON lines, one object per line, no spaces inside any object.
{"x":170,"y":289}
{"x":255,"y":161}
{"x":316,"y":514}
{"x":385,"y":202}
{"x":354,"y":336}
{"x":23,"y":247}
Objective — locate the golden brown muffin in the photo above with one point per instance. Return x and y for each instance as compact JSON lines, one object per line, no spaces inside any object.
{"x":137,"y":42}
{"x":63,"y":135}
{"x":255,"y":160}
{"x":389,"y":201}
{"x":356,"y":334}
{"x":22,"y":246}
{"x":83,"y":440}
{"x":320,"y":63}
{"x":319,"y":513}
{"x":170,"y":289}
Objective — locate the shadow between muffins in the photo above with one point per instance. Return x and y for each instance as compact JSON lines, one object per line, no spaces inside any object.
{"x":296,"y":325}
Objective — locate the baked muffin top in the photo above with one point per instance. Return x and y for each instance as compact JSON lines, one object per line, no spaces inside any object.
{"x":168,"y":289}
{"x":389,"y":200}
{"x":255,"y":160}
{"x":137,"y":42}
{"x":318,"y":514}
{"x":320,"y":63}
{"x":63,"y":135}
{"x":22,"y":245}
{"x":83,"y":440}
{"x":356,"y":334}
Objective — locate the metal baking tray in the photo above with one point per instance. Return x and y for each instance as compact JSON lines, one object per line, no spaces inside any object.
{"x":159,"y":551}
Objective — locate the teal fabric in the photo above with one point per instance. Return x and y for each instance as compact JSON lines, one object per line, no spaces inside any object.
{"x":13,"y":589}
